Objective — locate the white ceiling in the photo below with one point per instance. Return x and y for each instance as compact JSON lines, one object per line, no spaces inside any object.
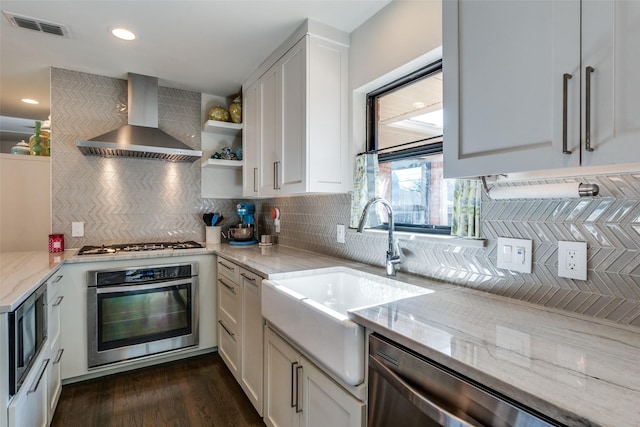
{"x":208,"y":46}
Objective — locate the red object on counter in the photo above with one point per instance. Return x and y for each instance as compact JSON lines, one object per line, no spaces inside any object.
{"x":56,"y":242}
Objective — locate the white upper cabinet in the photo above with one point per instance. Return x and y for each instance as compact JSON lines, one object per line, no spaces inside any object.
{"x":515,"y":84}
{"x":250,"y":149}
{"x":611,"y":46}
{"x":300,"y":117}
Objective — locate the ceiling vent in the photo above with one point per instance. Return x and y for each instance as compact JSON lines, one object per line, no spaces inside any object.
{"x":37,"y":25}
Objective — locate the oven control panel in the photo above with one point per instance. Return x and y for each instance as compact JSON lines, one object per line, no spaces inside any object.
{"x":140,"y":275}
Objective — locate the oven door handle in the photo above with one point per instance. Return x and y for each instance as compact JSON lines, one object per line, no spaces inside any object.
{"x":426,"y":406}
{"x":144,"y":287}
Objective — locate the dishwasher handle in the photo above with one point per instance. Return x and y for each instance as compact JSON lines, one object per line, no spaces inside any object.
{"x":426,"y":406}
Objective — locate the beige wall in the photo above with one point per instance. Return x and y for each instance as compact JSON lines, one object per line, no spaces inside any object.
{"x":25,"y":203}
{"x":401,"y":38}
{"x":399,"y":34}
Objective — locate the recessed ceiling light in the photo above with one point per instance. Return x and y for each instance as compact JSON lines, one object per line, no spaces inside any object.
{"x":123,"y":33}
{"x":30,"y":101}
{"x":418,"y":104}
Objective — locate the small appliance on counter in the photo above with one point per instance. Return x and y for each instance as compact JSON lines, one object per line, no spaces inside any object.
{"x":244,"y":233}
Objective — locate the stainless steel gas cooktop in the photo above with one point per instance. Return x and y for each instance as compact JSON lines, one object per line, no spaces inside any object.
{"x":137,"y":247}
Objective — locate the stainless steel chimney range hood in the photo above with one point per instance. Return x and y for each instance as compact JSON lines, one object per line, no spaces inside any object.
{"x":141,"y":138}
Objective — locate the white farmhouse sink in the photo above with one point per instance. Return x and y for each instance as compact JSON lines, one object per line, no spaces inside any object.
{"x":311,"y":308}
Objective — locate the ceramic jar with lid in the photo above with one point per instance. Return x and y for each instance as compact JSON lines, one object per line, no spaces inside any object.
{"x":21,"y":148}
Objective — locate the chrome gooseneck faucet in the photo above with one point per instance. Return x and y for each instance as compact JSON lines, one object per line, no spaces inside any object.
{"x":393,"y":255}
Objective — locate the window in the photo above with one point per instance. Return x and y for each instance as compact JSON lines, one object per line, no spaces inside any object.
{"x":405,"y":128}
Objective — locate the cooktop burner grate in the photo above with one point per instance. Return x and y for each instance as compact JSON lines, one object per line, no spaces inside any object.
{"x":137,"y":247}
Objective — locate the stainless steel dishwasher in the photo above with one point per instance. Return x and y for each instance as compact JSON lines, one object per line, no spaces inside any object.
{"x":406,"y":389}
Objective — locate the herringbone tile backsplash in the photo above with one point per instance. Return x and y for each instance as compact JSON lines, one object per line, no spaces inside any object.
{"x":123,"y":199}
{"x":609,"y":223}
{"x":141,"y":200}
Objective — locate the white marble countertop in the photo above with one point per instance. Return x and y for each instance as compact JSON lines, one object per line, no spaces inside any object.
{"x":22,"y":272}
{"x":573,"y":369}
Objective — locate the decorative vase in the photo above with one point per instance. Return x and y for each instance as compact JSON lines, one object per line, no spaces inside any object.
{"x":219,"y":114}
{"x":39,"y":142}
{"x":235,"y":110}
{"x":21,"y":148}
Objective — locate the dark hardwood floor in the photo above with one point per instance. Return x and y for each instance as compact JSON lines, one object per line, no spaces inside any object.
{"x":199,"y":391}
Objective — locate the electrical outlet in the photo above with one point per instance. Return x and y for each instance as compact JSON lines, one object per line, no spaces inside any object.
{"x":77,"y":229}
{"x":340,"y":231}
{"x":572,"y":260}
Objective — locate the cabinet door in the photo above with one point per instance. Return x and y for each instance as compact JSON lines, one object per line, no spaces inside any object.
{"x":328,"y":162}
{"x":293,"y":148}
{"x":29,"y":406}
{"x":325,"y":403}
{"x":251,"y":132}
{"x":229,"y":321}
{"x":611,"y":45}
{"x":280,"y":364}
{"x":269,"y":105}
{"x":251,"y":364}
{"x":503,"y":67}
{"x":54,"y":379}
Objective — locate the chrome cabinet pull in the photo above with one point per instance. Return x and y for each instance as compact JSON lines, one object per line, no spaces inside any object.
{"x":249,"y":279}
{"x":294,"y":383}
{"x":58,"y":356}
{"x":298,"y":391}
{"x":58,"y":278}
{"x":255,"y":172}
{"x":226,"y":266}
{"x":36,"y":383}
{"x":565,"y":84}
{"x":587,"y":120}
{"x":231,"y":288}
{"x":58,"y":301}
{"x":275,"y":176}
{"x":426,"y":406}
{"x":231,"y":334}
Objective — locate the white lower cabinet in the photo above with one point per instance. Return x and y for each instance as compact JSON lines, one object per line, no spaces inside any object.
{"x":298,"y":393}
{"x":240,"y":327}
{"x":29,"y":406}
{"x":54,"y":377}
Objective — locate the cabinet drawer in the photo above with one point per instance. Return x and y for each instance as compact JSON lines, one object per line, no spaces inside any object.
{"x":53,"y":320}
{"x":229,"y":270}
{"x":228,"y":347}
{"x":54,"y":283}
{"x":229,"y":302}
{"x":54,"y":379}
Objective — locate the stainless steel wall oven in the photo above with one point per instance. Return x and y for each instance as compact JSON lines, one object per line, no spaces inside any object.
{"x":139,"y":311}
{"x":27,"y":335}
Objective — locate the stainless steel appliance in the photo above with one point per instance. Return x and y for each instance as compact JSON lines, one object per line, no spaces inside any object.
{"x":140,"y":137}
{"x":407,"y":389}
{"x":27,"y":335}
{"x":136,"y":247}
{"x":134,"y":312}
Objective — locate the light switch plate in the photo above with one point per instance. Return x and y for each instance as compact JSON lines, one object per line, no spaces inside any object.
{"x":514,"y":254}
{"x":340,"y":231}
{"x":77,"y":229}
{"x":572,"y":260}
